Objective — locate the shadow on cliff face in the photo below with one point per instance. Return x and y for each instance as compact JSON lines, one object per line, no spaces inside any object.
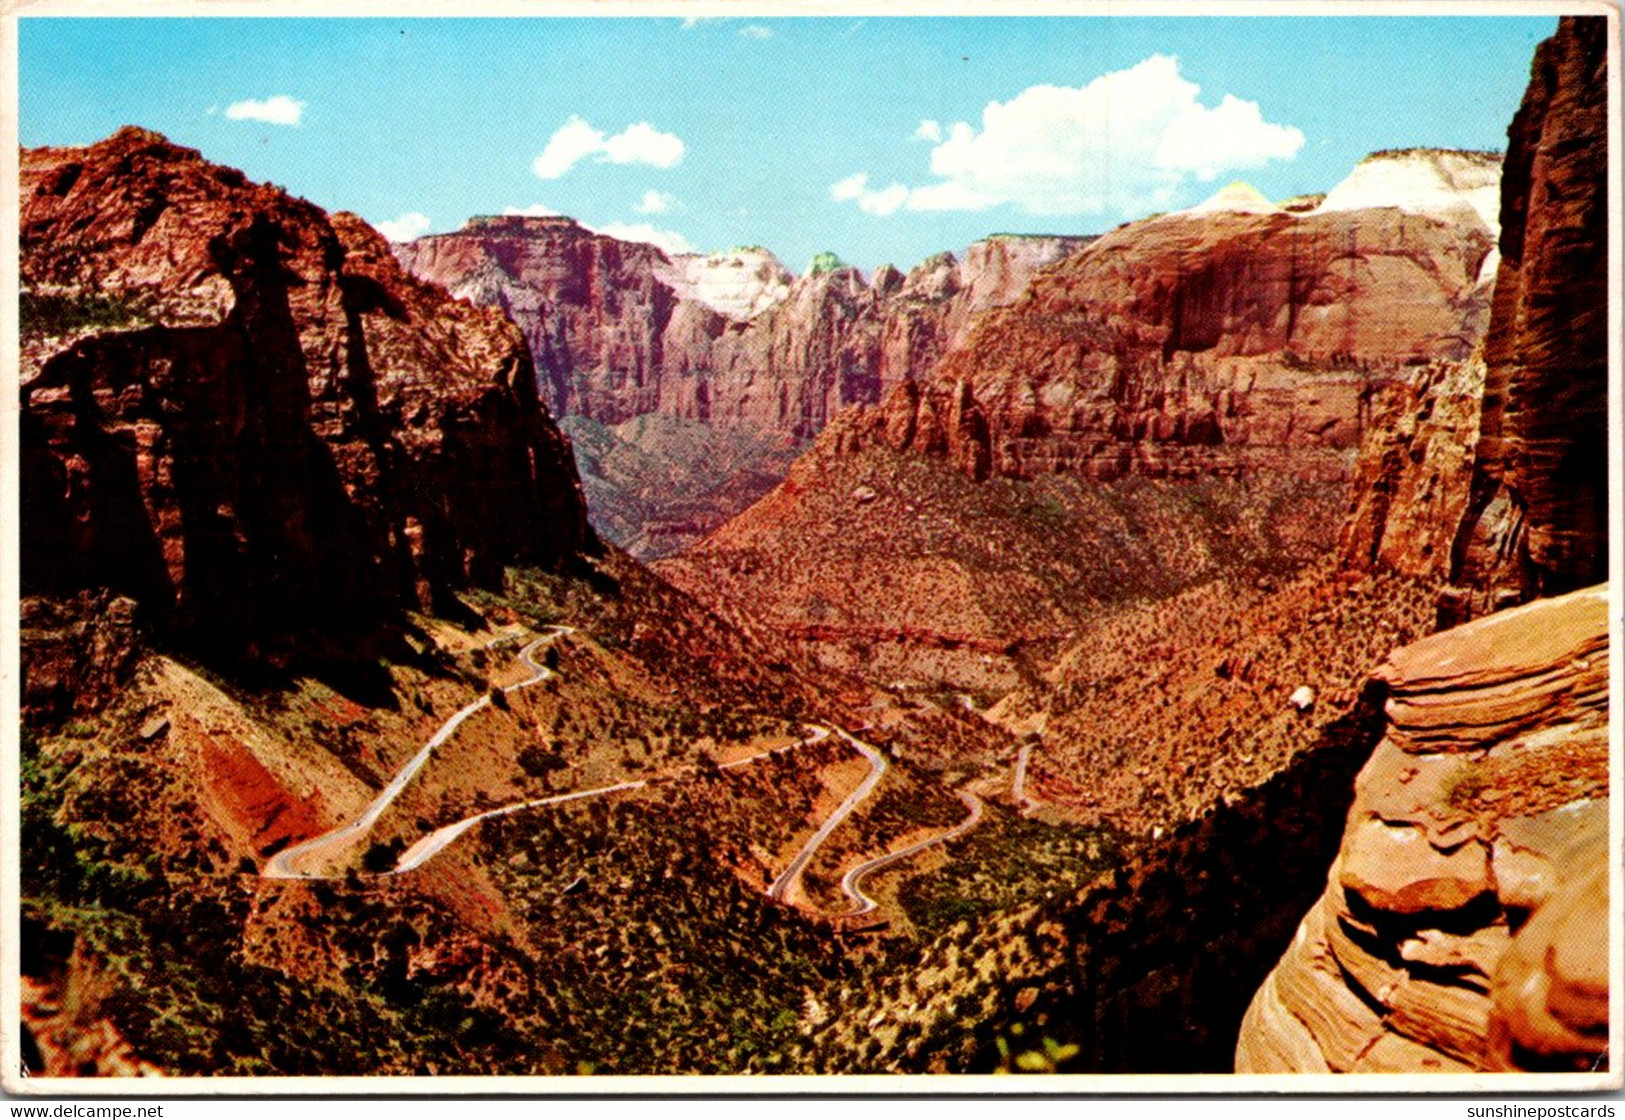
{"x":182,"y":470}
{"x":1168,"y":955}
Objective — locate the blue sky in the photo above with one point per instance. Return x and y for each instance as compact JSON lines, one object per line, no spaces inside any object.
{"x":881,"y":139}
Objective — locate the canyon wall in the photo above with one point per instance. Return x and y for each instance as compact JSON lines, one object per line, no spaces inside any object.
{"x":1464,"y":918}
{"x":1230,"y":337}
{"x":620,"y":329}
{"x":242,"y":412}
{"x":1538,"y":520}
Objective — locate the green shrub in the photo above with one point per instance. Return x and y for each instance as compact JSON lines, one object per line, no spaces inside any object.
{"x":50,"y":314}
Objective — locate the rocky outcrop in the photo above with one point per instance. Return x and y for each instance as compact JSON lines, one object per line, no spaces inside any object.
{"x":730,"y":341}
{"x":80,"y":652}
{"x":1412,"y":482}
{"x":1538,"y":519}
{"x":1464,"y":921}
{"x":1202,"y":342}
{"x":740,"y":283}
{"x":243,"y":414}
{"x":1434,"y":181}
{"x":590,"y":306}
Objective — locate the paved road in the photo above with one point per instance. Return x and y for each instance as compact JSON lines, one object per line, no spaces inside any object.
{"x":816,"y":733}
{"x":429,"y":846}
{"x":791,"y":878}
{"x":851,"y":880}
{"x":286,"y":863}
{"x":1018,"y":788}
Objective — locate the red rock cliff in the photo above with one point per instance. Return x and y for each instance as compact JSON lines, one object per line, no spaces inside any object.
{"x":1200,"y":342}
{"x":620,"y":330}
{"x":1538,"y":518}
{"x":590,"y":306}
{"x":244,"y":413}
{"x":1465,"y":920}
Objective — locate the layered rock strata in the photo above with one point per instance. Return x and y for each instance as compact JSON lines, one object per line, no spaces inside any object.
{"x":1464,"y":924}
{"x":1209,"y":341}
{"x":1412,"y":484}
{"x":619,"y":329}
{"x":244,"y":414}
{"x":1538,"y":520}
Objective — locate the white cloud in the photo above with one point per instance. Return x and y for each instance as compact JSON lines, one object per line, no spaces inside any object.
{"x":655,"y":202}
{"x":1127,"y":141}
{"x":855,"y":188}
{"x":568,"y":146}
{"x":1232,"y":135}
{"x":849,"y":188}
{"x":885,"y":201}
{"x":404,"y":228}
{"x":756,"y":31}
{"x":534,"y":210}
{"x":668,"y":241}
{"x":576,"y":140}
{"x":280,"y":109}
{"x":950,"y":195}
{"x":894,"y":197}
{"x":643,"y":143}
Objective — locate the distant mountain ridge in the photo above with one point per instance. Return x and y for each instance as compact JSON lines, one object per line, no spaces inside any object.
{"x":1238,"y":351}
{"x":729,"y":340}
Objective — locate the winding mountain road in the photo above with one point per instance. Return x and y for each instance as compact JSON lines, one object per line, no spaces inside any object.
{"x":287,"y":864}
{"x":816,"y":733}
{"x":292,"y":862}
{"x":430,"y":846}
{"x":791,"y":877}
{"x":851,"y":880}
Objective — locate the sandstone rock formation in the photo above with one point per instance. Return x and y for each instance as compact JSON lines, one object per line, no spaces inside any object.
{"x":1410,"y":487}
{"x":730,"y":341}
{"x":1464,"y":921}
{"x":619,"y":329}
{"x":1238,"y":344}
{"x":1209,"y":341}
{"x":1489,"y":474}
{"x":590,"y":306}
{"x":741,"y":283}
{"x":242,"y":413}
{"x":1538,"y":519}
{"x":1434,"y":181}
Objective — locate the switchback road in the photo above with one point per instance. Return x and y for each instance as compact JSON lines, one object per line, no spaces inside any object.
{"x":289,"y":863}
{"x":791,"y":878}
{"x":429,"y":846}
{"x":851,"y":880}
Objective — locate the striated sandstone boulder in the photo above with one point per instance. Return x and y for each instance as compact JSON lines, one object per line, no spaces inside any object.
{"x":245,"y":415}
{"x":1464,"y":924}
{"x":1203,"y":342}
{"x":1538,"y":520}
